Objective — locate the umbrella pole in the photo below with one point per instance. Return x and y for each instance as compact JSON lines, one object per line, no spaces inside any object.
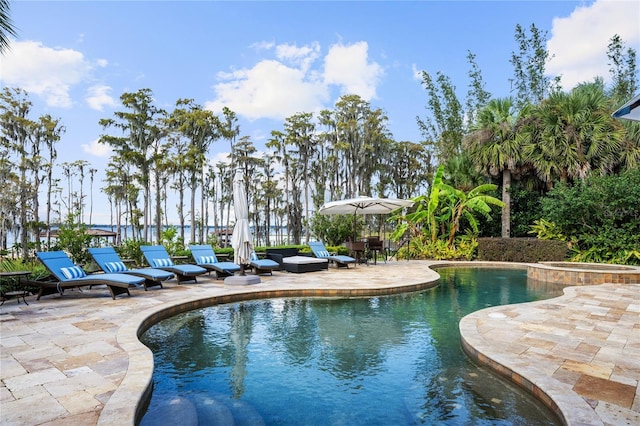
{"x":354,"y":225}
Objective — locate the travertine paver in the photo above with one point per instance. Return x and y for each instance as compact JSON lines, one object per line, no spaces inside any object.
{"x":76,"y":359}
{"x":584,"y":349}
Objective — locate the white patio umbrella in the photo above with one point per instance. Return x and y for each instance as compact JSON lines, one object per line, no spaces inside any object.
{"x":364,"y":205}
{"x":630,"y":110}
{"x":241,"y":238}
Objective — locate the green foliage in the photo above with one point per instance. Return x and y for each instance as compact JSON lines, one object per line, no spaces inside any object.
{"x":74,"y":240}
{"x":600,"y":216}
{"x":422,"y":248}
{"x":423,"y":214}
{"x":173,"y":242}
{"x":444,"y":128}
{"x":436,"y":222}
{"x":130,"y":249}
{"x":546,"y":230}
{"x":333,"y":230}
{"x":525,"y":209}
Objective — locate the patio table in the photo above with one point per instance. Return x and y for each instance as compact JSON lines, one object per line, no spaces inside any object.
{"x":22,"y":292}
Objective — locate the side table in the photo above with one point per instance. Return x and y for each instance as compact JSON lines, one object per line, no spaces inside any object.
{"x":18,"y":293}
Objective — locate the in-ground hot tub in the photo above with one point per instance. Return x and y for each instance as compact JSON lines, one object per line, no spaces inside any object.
{"x":575,"y":273}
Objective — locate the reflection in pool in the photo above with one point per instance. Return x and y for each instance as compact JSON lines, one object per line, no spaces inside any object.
{"x":382,"y":360}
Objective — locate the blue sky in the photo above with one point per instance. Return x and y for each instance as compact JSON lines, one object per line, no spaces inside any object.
{"x":268,"y":60}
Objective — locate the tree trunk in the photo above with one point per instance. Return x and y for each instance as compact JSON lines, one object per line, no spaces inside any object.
{"x":506,"y":199}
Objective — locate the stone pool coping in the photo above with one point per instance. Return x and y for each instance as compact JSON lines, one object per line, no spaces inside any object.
{"x":572,"y":273}
{"x":77,"y":359}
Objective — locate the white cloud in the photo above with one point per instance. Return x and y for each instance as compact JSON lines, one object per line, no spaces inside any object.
{"x":349,"y":67}
{"x":98,"y":97}
{"x":219,"y":157}
{"x":416,"y":73}
{"x":97,"y":149}
{"x":290,"y":83}
{"x":579,"y":42}
{"x":270,"y":89}
{"x":44,"y":71}
{"x":303,"y":56}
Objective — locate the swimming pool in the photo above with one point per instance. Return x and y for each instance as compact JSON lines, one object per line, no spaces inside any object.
{"x":380,"y":360}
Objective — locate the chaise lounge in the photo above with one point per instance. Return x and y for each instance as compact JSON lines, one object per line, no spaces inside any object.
{"x":110,"y":262}
{"x":321,"y":252}
{"x":68,"y":275}
{"x":263,"y":266}
{"x":157,"y":257}
{"x":205,"y":257}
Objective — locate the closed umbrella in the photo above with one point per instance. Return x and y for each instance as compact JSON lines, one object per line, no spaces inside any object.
{"x":630,"y":110}
{"x":364,"y":205}
{"x":241,"y":238}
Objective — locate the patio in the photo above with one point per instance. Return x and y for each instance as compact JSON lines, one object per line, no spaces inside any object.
{"x":76,"y":359}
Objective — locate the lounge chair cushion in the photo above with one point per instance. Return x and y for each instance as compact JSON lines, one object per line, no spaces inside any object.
{"x":304,"y":264}
{"x":159,"y":263}
{"x":73,"y":272}
{"x":303,"y":260}
{"x":115,"y":266}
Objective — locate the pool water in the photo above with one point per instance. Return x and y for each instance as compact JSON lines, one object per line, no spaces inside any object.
{"x":390,"y":360}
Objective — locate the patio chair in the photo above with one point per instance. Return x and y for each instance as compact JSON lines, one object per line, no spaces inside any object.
{"x":68,"y":275}
{"x":376,"y":248}
{"x":263,"y":266}
{"x":110,"y":262}
{"x":321,"y":252}
{"x":206,"y":258}
{"x":157,"y":257}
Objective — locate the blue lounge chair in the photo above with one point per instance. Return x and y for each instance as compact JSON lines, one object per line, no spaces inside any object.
{"x":109,"y":261}
{"x":206,"y":258}
{"x":263,"y":266}
{"x":68,"y":275}
{"x":321,"y":252}
{"x":157,"y":257}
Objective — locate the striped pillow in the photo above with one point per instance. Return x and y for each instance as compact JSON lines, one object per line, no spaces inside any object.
{"x":73,"y":272}
{"x":323,"y":253}
{"x":254,"y":256}
{"x":163,"y":262}
{"x":115,"y":267}
{"x":207,"y":259}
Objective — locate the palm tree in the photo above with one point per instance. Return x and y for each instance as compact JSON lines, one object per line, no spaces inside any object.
{"x":630,"y":153}
{"x":6,"y":26}
{"x":572,"y":134}
{"x":495,"y":148}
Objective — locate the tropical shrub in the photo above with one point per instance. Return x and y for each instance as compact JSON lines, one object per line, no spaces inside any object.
{"x":600,"y":217}
{"x":444,"y":224}
{"x":74,"y":240}
{"x":334,"y":230}
{"x":173,"y":242}
{"x":130,"y":250}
